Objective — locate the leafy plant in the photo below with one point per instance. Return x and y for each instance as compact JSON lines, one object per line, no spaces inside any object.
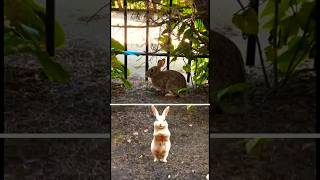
{"x":24,"y":32}
{"x":117,"y":67}
{"x":235,"y":88}
{"x":294,"y":34}
{"x":186,"y":25}
{"x":247,"y":21}
{"x":184,"y":90}
{"x":291,"y":24}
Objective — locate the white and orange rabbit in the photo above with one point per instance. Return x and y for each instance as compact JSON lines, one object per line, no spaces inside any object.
{"x":161,"y":144}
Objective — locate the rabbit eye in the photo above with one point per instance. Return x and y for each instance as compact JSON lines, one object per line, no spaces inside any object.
{"x":151,"y":70}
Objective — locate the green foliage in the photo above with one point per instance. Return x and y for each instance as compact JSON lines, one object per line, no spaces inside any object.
{"x":201,"y":70}
{"x":117,"y":71}
{"x":247,"y":22}
{"x":117,"y":67}
{"x":116,"y":45}
{"x":194,"y":39}
{"x":295,"y":33}
{"x":25,"y":33}
{"x":184,"y":90}
{"x":235,"y":88}
{"x":190,"y":108}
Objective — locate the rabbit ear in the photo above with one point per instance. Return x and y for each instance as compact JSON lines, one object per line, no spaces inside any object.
{"x":154,"y":110}
{"x":165,"y":111}
{"x":161,"y":63}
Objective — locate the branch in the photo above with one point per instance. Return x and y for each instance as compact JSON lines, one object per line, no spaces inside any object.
{"x":96,"y":13}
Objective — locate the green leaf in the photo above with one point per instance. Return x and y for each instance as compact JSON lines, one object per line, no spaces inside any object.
{"x":268,"y":10}
{"x":199,"y":25}
{"x":304,"y":14}
{"x":32,"y":15}
{"x":247,"y":22}
{"x":117,"y":45}
{"x":117,"y":71}
{"x":270,"y":54}
{"x":301,"y":46}
{"x":188,"y":34}
{"x":126,"y":83}
{"x":53,"y":70}
{"x":14,"y":44}
{"x":190,"y":108}
{"x":25,"y":15}
{"x":187,"y":68}
{"x":184,"y":90}
{"x":252,"y":143}
{"x":182,"y":29}
{"x":59,"y":35}
{"x":235,"y":88}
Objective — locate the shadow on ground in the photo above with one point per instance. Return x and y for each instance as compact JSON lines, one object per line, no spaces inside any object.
{"x":56,"y":159}
{"x":273,"y":159}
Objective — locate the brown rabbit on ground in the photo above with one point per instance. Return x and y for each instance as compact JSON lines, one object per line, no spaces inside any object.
{"x":166,"y":81}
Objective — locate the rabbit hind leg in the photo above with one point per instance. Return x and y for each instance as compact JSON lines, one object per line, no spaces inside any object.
{"x":155,"y":158}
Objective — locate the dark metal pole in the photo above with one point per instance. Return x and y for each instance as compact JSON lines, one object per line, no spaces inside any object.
{"x":2,"y":79}
{"x":147,"y":37}
{"x":50,"y":22}
{"x":169,"y":40}
{"x":189,"y":63}
{"x":251,"y":46}
{"x":274,"y":43}
{"x":189,"y":73}
{"x":125,"y":39}
{"x":317,"y":67}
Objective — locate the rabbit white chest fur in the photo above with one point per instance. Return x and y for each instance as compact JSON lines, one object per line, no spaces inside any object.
{"x":161,"y":145}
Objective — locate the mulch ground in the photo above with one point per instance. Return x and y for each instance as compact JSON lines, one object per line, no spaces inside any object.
{"x":35,"y":104}
{"x":278,"y":159}
{"x":132,"y":129}
{"x":50,"y":159}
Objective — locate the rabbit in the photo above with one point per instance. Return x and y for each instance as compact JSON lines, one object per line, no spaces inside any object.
{"x":161,"y":144}
{"x":166,"y":81}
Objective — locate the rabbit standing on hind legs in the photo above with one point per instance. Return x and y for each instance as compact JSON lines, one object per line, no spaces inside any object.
{"x":166,"y":81}
{"x":161,"y":144}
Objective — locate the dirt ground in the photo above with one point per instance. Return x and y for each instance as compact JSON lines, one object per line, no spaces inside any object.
{"x":144,"y":93}
{"x":291,"y":110}
{"x":275,"y":159}
{"x":35,"y":104}
{"x":50,"y":159}
{"x":132,"y":129}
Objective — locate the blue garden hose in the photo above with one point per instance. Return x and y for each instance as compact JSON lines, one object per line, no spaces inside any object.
{"x":130,"y":52}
